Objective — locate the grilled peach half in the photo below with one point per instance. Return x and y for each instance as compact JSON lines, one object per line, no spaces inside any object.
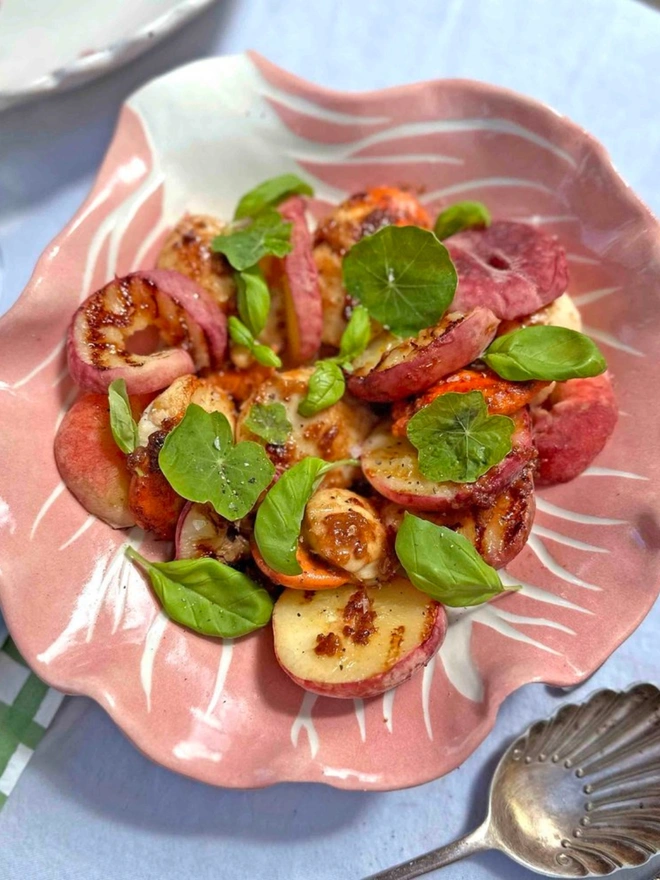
{"x":90,"y":462}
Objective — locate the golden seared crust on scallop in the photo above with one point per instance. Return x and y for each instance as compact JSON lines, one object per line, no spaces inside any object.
{"x":167,"y":410}
{"x":187,"y":249}
{"x":360,"y":215}
{"x":344,"y":529}
{"x":332,"y":434}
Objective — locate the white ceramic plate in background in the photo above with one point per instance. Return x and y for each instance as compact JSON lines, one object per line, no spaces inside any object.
{"x":52,"y":45}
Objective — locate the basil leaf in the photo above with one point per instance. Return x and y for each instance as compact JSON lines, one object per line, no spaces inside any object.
{"x":280,"y":514}
{"x":265,"y":356}
{"x":122,"y":424}
{"x":541,"y":352}
{"x":201,"y":463}
{"x":240,"y":335}
{"x":270,"y":193}
{"x":253,"y":299}
{"x":403,"y":275}
{"x":269,"y":422}
{"x":444,"y":565}
{"x":355,"y":337}
{"x":462,"y":215}
{"x":246,"y":245}
{"x":456,"y":438}
{"x":326,"y":386}
{"x":208,"y":596}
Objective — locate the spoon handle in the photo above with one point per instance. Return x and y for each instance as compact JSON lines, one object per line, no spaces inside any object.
{"x":472,"y":843}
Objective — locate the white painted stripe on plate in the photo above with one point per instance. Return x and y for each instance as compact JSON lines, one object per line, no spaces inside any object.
{"x":590,"y":296}
{"x":542,"y":532}
{"x":310,"y":108}
{"x":341,"y":773}
{"x":304,"y":721}
{"x":45,"y":507}
{"x":223,"y":668}
{"x":195,"y":751}
{"x":15,"y":766}
{"x":88,"y":523}
{"x":151,"y":643}
{"x":388,"y":708}
{"x":358,"y":705}
{"x":548,"y":560}
{"x":40,"y":366}
{"x":612,"y":341}
{"x":13,"y":676}
{"x":611,"y":472}
{"x":483,"y":182}
{"x":427,"y":682}
{"x":574,"y":516}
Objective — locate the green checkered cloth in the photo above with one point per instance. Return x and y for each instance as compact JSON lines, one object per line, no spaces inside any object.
{"x":27,"y":706}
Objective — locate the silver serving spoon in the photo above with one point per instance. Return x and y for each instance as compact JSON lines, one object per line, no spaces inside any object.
{"x":575,"y":796}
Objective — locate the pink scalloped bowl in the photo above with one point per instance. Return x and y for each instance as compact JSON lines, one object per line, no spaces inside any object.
{"x":224,"y":712}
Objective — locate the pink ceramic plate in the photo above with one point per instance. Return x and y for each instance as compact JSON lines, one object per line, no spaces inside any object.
{"x":224,"y":712}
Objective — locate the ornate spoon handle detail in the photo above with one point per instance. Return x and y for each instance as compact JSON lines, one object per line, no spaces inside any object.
{"x":476,"y":841}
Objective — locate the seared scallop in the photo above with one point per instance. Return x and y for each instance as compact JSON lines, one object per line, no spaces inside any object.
{"x":345,"y":530}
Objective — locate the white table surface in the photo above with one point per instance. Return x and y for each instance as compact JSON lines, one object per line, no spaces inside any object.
{"x":89,"y":806}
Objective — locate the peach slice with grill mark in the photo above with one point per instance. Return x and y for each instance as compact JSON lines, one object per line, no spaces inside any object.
{"x":162,"y":307}
{"x":390,"y":464}
{"x":356,"y":641}
{"x":409,"y":367}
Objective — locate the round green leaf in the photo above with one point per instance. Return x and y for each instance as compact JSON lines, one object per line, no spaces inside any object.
{"x":269,"y":421}
{"x":201,"y":463}
{"x":245,"y":245}
{"x":456,"y":438}
{"x":403,"y":275}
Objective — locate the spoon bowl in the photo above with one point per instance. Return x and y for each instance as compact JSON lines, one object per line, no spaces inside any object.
{"x":577,"y":795}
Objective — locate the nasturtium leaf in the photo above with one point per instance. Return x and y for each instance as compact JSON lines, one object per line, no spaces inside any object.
{"x":457,"y":440}
{"x":207,"y":596}
{"x":554,"y":354}
{"x":245,"y":244}
{"x":404,"y":277}
{"x":462,"y":215}
{"x":122,"y":424}
{"x":201,"y":463}
{"x":269,"y":421}
{"x":444,"y":564}
{"x":270,"y":193}
{"x":280,"y":514}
